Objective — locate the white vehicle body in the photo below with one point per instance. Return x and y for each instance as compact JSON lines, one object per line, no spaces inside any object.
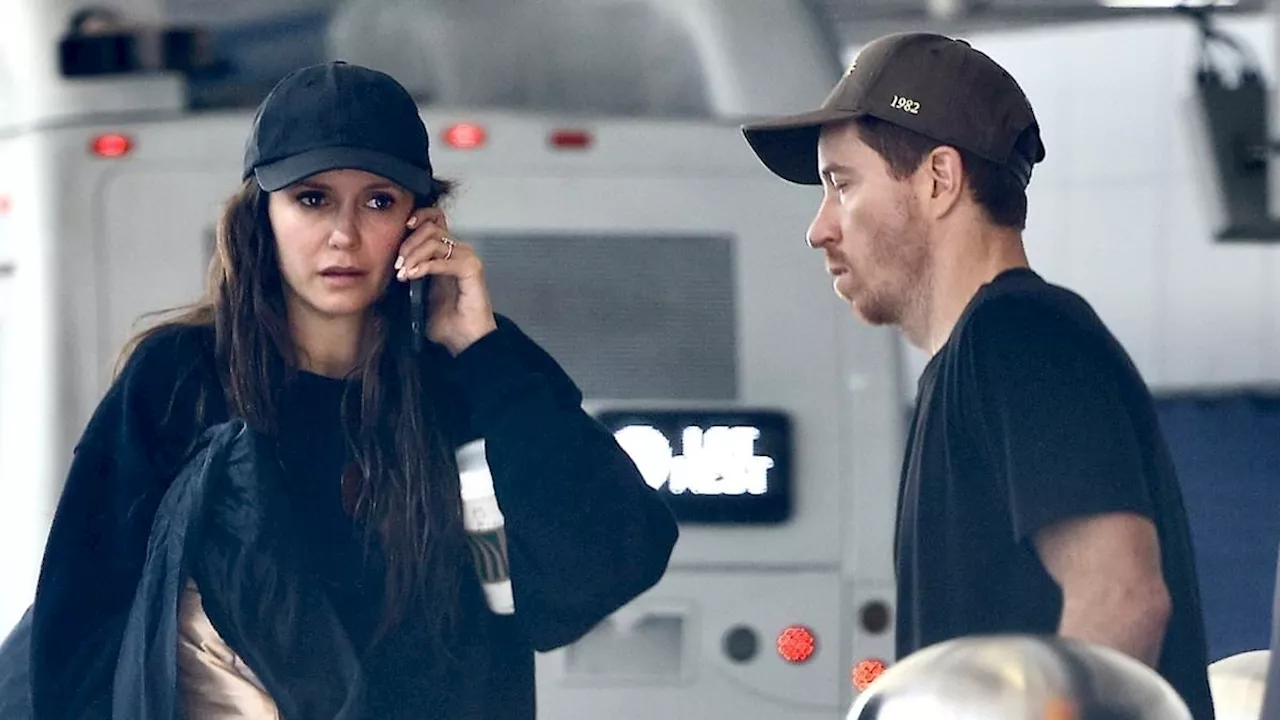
{"x":655,"y":258}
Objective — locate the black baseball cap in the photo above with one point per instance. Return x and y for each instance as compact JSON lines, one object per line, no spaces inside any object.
{"x":338,"y":115}
{"x":937,"y":86}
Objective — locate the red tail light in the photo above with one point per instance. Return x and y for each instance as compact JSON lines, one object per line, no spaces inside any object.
{"x":797,"y":644}
{"x":111,"y":145}
{"x":866,"y":671}
{"x":570,"y":139}
{"x":465,"y":136}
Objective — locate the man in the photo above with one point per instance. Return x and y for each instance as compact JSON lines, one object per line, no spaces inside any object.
{"x":1037,"y":493}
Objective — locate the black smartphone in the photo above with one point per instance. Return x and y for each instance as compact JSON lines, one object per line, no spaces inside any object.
{"x":418,"y":312}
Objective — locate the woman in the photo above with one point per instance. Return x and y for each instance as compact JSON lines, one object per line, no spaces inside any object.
{"x":306,"y":336}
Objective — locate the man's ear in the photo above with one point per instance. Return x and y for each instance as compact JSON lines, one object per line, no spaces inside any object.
{"x":942,"y":180}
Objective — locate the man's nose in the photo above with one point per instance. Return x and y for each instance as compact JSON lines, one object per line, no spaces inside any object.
{"x":823,"y":230}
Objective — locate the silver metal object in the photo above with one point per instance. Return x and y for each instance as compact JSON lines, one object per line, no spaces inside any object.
{"x":1238,"y":683}
{"x":1019,"y":677}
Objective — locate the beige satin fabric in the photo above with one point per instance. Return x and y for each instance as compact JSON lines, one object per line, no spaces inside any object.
{"x":213,"y":682}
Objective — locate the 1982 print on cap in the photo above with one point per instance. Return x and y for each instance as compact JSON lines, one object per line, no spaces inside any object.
{"x":934,"y":85}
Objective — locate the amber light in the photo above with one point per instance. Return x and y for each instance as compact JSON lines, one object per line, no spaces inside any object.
{"x":866,"y":671}
{"x":797,"y":644}
{"x":111,"y":145}
{"x":1059,"y":709}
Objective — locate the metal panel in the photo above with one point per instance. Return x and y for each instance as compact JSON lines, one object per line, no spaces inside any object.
{"x":667,"y":654}
{"x":629,"y":316}
{"x":153,"y":261}
{"x":26,"y":388}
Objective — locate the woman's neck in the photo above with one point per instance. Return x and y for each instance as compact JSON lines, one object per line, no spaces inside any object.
{"x":328,"y":346}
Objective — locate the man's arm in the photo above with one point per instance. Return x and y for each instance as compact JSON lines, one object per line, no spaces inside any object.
{"x":1054,"y":413}
{"x":1113,"y":591}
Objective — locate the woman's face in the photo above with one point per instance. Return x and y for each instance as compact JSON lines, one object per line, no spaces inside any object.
{"x":337,"y":234}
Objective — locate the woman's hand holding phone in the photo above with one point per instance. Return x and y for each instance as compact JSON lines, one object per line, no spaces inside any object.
{"x":459,"y":311}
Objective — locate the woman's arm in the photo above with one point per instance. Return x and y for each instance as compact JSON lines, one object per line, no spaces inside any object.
{"x":586,"y":535}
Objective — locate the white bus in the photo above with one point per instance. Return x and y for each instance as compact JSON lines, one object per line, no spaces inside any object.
{"x":648,"y":250}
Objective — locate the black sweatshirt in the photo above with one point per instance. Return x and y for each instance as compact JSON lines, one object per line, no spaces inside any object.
{"x":585,"y":534}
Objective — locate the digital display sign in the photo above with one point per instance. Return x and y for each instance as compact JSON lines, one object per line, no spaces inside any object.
{"x":715,"y":466}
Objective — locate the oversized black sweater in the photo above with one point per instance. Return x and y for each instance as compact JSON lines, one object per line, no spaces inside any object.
{"x":585,"y":534}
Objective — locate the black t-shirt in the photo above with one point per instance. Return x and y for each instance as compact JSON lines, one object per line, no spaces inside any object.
{"x":401,"y":678}
{"x":1032,"y":413}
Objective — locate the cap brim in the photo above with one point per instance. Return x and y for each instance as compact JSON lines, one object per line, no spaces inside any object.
{"x":788,"y":146}
{"x":283,"y":173}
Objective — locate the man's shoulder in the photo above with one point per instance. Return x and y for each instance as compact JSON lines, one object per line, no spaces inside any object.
{"x":1020,"y":309}
{"x":1023,"y":332}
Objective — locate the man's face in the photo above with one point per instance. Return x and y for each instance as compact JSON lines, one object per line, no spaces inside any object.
{"x":870,"y":229}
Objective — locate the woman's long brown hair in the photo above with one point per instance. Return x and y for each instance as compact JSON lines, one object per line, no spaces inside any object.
{"x":409,"y":499}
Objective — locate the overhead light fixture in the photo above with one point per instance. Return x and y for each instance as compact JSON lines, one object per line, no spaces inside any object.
{"x":1170,"y":4}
